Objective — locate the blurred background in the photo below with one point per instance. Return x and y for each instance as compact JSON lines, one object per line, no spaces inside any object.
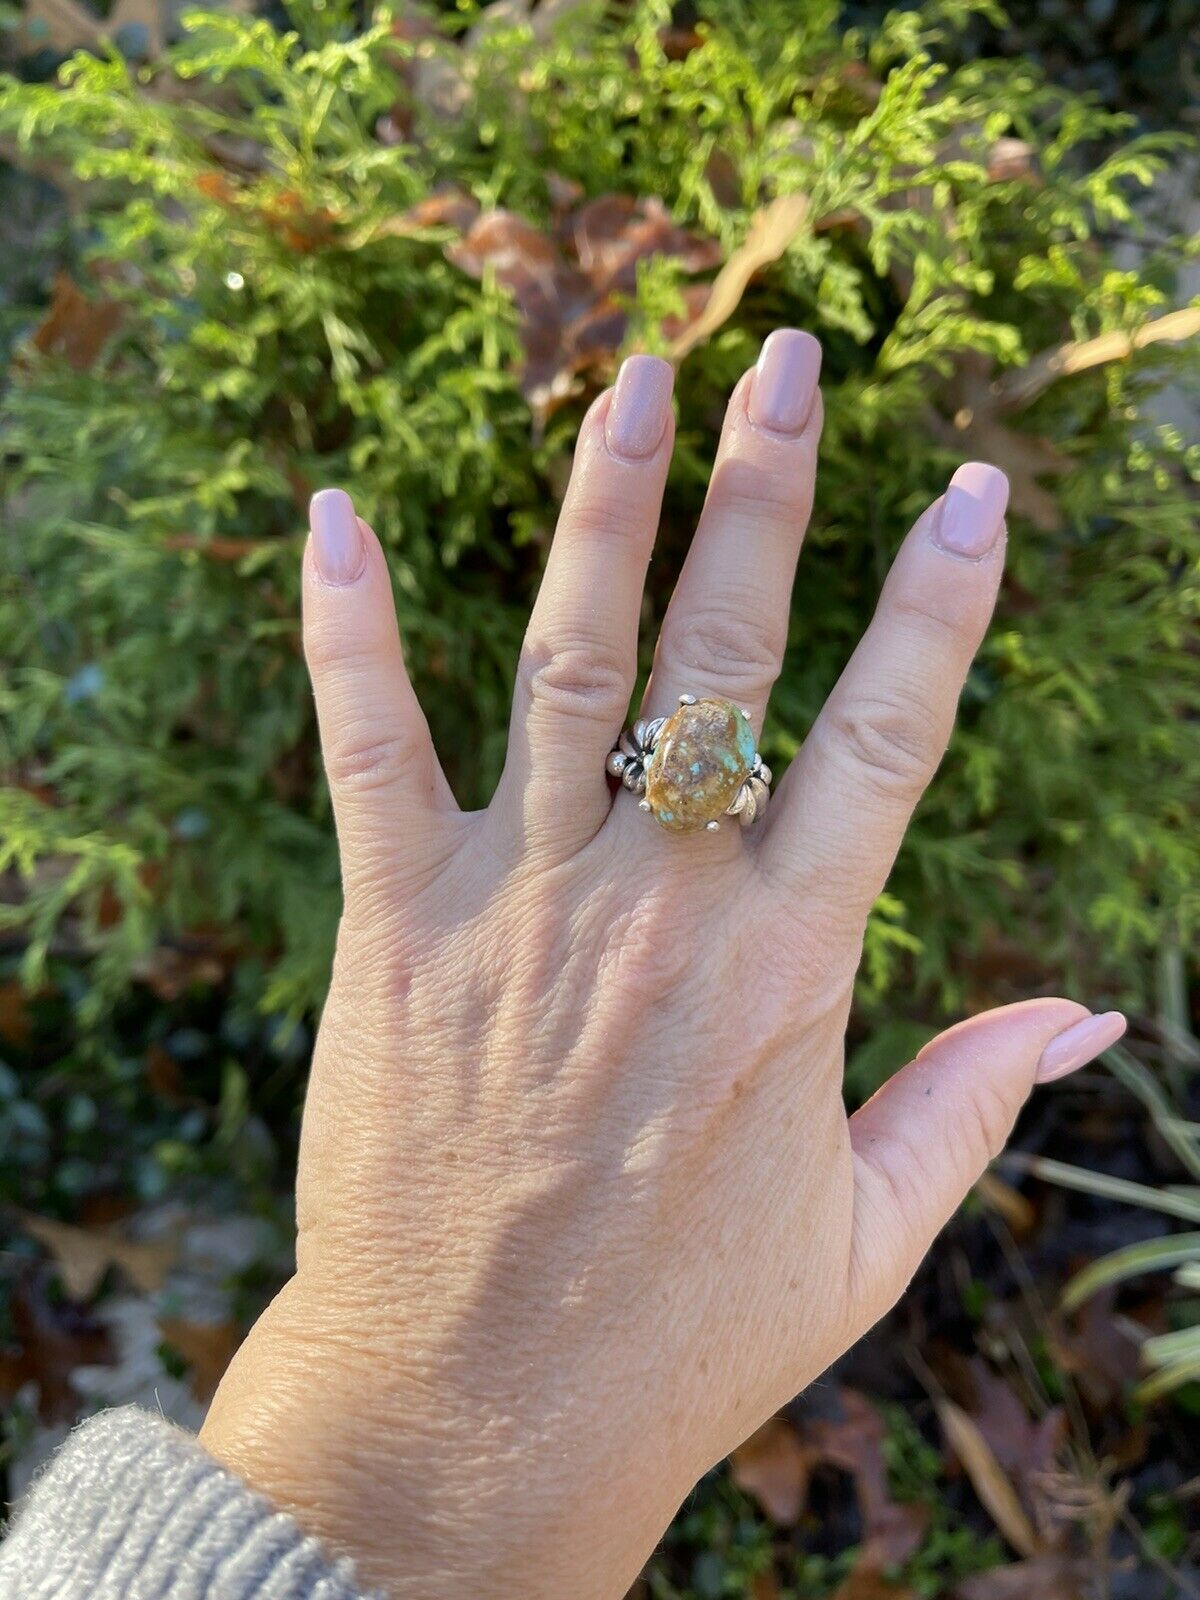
{"x":254,"y":251}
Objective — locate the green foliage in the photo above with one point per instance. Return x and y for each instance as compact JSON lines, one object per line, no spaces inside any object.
{"x":280,"y":332}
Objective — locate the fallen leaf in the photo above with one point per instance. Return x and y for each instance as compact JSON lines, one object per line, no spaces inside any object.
{"x":771,"y":231}
{"x":569,"y":284}
{"x":74,"y":327}
{"x":866,"y":1584}
{"x":207,"y":1347}
{"x":773,"y":1468}
{"x":853,"y":1440}
{"x":52,"y":1340}
{"x":1051,"y":1576}
{"x":1101,"y":1348}
{"x":1025,"y":458}
{"x":15,"y":1022}
{"x":988,"y":1479}
{"x":84,"y":1255}
{"x":1027,"y":1451}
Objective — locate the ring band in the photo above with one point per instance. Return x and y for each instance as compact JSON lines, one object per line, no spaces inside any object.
{"x":694,"y":767}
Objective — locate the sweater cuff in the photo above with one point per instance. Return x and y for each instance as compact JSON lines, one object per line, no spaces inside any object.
{"x":131,"y":1508}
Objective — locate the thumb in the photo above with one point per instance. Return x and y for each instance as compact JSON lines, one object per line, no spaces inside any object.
{"x":925,"y":1137}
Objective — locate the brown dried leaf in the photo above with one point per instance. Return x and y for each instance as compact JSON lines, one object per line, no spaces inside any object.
{"x":52,"y":1341}
{"x":84,"y":1255}
{"x":1023,"y":457}
{"x":15,"y":1021}
{"x":771,"y":231}
{"x":1052,"y":1576}
{"x":773,"y":1467}
{"x":995,"y":1491}
{"x":207,"y":1347}
{"x":866,"y":1584}
{"x":74,"y":327}
{"x":1101,"y":1348}
{"x":853,"y":1441}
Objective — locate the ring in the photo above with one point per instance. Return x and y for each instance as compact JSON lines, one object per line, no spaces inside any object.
{"x":694,"y":767}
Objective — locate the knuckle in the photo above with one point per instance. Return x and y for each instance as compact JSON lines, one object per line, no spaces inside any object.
{"x":894,"y":745}
{"x":360,"y":763}
{"x":609,"y":518}
{"x":738,"y":647}
{"x":941,"y":627}
{"x":587,"y":681}
{"x":743,"y":491}
{"x":990,"y":1118}
{"x":328,"y":647}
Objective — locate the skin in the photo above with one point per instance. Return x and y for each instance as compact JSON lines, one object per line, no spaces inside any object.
{"x":579,"y":1205}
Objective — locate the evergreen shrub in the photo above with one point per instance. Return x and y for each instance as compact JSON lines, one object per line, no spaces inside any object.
{"x":320,"y":255}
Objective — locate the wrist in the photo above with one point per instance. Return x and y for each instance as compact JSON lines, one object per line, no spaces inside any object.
{"x":425,"y":1487}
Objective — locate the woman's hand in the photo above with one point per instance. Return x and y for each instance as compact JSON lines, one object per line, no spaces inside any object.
{"x":579,"y":1205}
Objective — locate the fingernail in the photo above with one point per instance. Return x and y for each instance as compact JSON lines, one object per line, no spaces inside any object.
{"x":785,"y":381}
{"x":336,"y":539}
{"x":973,"y":510}
{"x":1081,"y":1043}
{"x":640,"y":406}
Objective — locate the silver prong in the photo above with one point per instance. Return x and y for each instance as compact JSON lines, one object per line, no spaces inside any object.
{"x":643,"y":805}
{"x":745,"y":713}
{"x":712,"y":827}
{"x":687,"y":699}
{"x":616,"y":763}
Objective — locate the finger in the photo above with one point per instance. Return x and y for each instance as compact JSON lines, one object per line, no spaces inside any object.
{"x":726,"y":628}
{"x":924,"y":1139}
{"x":579,"y":660}
{"x":387,"y":788}
{"x":842,"y":809}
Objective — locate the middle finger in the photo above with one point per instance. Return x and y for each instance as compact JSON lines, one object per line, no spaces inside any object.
{"x":726,"y":627}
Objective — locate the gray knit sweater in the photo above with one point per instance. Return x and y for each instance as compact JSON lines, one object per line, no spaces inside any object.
{"x":132,"y":1509}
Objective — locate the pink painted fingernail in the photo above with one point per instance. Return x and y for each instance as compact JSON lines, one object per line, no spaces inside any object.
{"x":972,"y":512}
{"x":1079,"y":1044}
{"x":337,"y":541}
{"x":785,"y":381}
{"x":640,"y":407}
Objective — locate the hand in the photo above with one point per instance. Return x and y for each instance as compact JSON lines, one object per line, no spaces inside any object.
{"x":578,"y":1202}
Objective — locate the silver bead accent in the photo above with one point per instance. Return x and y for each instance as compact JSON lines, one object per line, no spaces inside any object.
{"x":687,"y":699}
{"x":615,"y":765}
{"x":712,"y":827}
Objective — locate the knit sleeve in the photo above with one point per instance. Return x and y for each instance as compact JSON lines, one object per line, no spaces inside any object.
{"x":131,"y":1508}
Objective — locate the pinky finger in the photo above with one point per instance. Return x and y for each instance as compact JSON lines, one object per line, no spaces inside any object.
{"x":389,"y":794}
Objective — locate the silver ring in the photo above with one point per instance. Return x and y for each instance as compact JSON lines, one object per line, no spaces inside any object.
{"x":694,"y":767}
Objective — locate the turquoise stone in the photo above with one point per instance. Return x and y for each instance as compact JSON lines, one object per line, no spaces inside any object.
{"x":702,"y":758}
